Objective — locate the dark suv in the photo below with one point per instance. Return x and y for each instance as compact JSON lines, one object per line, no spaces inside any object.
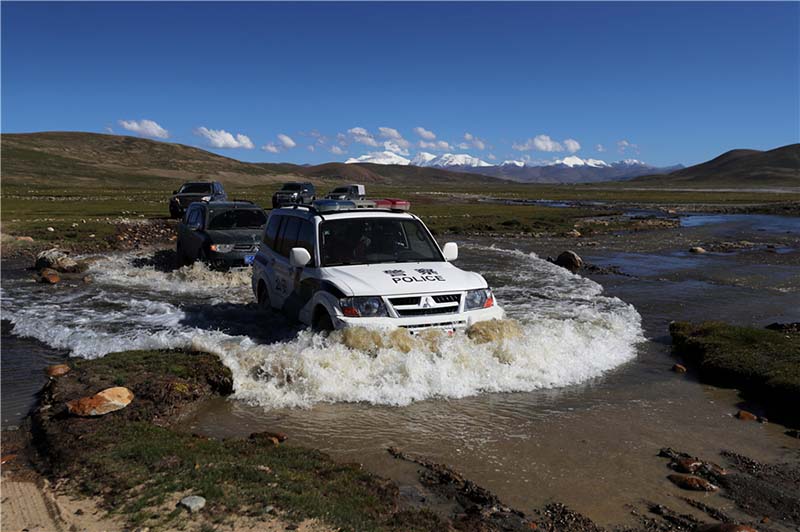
{"x":195,"y":191}
{"x":294,"y":194}
{"x":220,"y":233}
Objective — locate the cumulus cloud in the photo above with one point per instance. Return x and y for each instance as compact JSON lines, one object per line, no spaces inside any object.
{"x":439,"y":145}
{"x":286,"y":141}
{"x":395,"y":137}
{"x":145,"y":128}
{"x":219,"y":138}
{"x":395,"y":146}
{"x":424,"y":133}
{"x":600,"y":148}
{"x":472,"y":141}
{"x":362,"y":136}
{"x":491,"y":156}
{"x":337,"y":150}
{"x":572,"y":145}
{"x":271,"y":147}
{"x":625,"y":145}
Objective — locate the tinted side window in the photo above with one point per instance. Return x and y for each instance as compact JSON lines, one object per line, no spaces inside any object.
{"x":305,"y":238}
{"x":192,"y":216}
{"x":271,"y":234}
{"x":288,"y":236}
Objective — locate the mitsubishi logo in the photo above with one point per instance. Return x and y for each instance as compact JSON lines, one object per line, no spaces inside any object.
{"x":426,"y":302}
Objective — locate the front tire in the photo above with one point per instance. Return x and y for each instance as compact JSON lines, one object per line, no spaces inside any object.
{"x":323,"y":323}
{"x":263,"y":297}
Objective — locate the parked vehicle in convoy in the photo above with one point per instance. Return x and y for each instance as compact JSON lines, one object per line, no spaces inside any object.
{"x":335,"y":264}
{"x":294,"y":194}
{"x":348,"y":192}
{"x":220,"y":233}
{"x":195,"y":191}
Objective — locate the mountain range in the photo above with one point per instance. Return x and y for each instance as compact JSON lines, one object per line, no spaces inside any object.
{"x":571,"y":169}
{"x":66,"y":158}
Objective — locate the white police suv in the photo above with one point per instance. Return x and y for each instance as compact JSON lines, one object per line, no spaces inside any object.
{"x":336,"y":264}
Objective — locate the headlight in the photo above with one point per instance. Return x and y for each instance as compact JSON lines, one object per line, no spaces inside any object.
{"x":222,"y":248}
{"x":363,"y":307}
{"x":475,"y":299}
{"x":206,"y":198}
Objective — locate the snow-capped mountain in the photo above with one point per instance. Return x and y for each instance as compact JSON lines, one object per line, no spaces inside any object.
{"x":573,"y":160}
{"x":570,"y":169}
{"x":422,"y":159}
{"x":380,"y":157}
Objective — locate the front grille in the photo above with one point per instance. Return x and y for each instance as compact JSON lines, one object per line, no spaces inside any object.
{"x":448,"y":298}
{"x":243,"y":247}
{"x":404,"y":300}
{"x":405,"y":312}
{"x":445,"y":324}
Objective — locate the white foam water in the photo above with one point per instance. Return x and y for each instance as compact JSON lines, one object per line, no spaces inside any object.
{"x":568,"y":332}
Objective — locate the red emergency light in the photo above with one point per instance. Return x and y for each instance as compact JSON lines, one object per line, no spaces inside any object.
{"x":393,"y":204}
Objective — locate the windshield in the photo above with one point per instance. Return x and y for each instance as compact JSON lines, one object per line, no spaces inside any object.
{"x":237,"y":219}
{"x":195,"y":188}
{"x":292,"y":186}
{"x":340,"y":190}
{"x":376,"y":240}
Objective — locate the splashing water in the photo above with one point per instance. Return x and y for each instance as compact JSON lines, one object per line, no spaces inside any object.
{"x":561,"y":331}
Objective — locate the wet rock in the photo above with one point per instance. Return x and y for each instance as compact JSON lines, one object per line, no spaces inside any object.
{"x":725,"y":527}
{"x":49,"y":276}
{"x":687,"y":465}
{"x":696,"y":249}
{"x":193,"y":503}
{"x":690,"y":482}
{"x":679,"y":368}
{"x":57,"y":260}
{"x":51,"y":230}
{"x":57,"y":370}
{"x":274,"y":437}
{"x":109,"y":400}
{"x":569,"y":260}
{"x":744,"y":415}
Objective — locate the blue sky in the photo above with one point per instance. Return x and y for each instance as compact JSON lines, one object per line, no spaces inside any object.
{"x":666,"y":83}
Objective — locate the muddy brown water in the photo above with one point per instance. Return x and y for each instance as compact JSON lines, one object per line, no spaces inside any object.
{"x":591,"y":445}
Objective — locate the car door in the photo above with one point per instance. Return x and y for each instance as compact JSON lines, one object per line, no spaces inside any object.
{"x":283,"y":273}
{"x":263,"y":265}
{"x":195,"y":231}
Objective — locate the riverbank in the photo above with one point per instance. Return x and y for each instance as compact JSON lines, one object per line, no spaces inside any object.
{"x":561,"y":442}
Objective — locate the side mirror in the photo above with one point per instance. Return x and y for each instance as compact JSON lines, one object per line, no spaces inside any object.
{"x":299,"y":257}
{"x":174,"y":191}
{"x":450,"y":251}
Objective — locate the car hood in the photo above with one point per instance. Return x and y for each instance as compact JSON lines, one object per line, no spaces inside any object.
{"x":402,"y":278}
{"x":185,"y":199}
{"x":235,"y":236}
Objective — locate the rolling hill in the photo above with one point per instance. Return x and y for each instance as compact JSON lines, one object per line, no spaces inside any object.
{"x":778,"y":167}
{"x":94,"y":158}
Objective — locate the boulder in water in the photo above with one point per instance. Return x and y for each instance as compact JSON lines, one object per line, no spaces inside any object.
{"x":109,"y":400}
{"x":569,"y":260}
{"x":696,"y":249}
{"x":58,"y":260}
{"x":49,"y":276}
{"x":691,"y":482}
{"x":57,"y":370}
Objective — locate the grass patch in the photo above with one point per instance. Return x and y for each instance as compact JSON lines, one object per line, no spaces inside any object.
{"x":764,"y":364}
{"x":140,"y":467}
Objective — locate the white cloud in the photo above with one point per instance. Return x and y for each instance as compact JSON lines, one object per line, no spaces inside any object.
{"x":545,"y":143}
{"x":600,"y":148}
{"x":491,"y":157}
{"x":145,"y":128}
{"x":394,"y":146}
{"x":362,"y":136}
{"x":473,"y":141}
{"x":440,"y":145}
{"x":287,"y":141}
{"x":271,"y":147}
{"x":311,"y":147}
{"x":219,"y":138}
{"x":337,"y":150}
{"x":463,"y":146}
{"x":424,"y":133}
{"x":625,"y":145}
{"x":389,"y":133}
{"x":572,"y":145}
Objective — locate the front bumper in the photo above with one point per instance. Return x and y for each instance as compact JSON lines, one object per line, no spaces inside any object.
{"x":232,"y":258}
{"x":455,"y":321}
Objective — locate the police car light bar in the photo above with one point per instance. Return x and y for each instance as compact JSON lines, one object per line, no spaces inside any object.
{"x":393,"y":204}
{"x":324,"y":206}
